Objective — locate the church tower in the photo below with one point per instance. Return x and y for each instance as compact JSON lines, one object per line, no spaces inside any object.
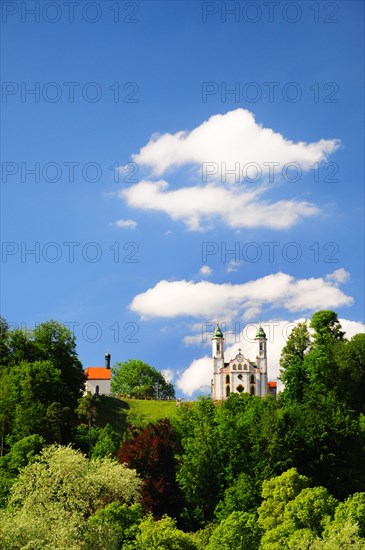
{"x":218,"y":362}
{"x":261,"y":359}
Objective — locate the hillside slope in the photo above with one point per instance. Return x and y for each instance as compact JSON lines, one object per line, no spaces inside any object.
{"x":136,"y":412}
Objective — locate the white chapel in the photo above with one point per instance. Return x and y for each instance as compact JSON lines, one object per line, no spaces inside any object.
{"x":240,"y":374}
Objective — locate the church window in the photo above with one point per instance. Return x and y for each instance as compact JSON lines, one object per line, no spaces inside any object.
{"x":252,"y":390}
{"x":240,"y":377}
{"x":245,"y":367}
{"x":261,"y":346}
{"x":219,"y":347}
{"x":234,"y":366}
{"x":239,"y":366}
{"x":97,"y":390}
{"x":227,"y":391}
{"x":227,"y":379}
{"x":252,"y":380}
{"x":240,"y":388}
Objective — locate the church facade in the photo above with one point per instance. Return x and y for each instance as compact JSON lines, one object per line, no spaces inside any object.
{"x":240,"y":375}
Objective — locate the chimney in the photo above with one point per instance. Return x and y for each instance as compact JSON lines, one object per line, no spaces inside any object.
{"x":107,"y":360}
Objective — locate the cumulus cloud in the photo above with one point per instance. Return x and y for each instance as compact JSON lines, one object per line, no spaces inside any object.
{"x":126,"y":224}
{"x":339,"y":276}
{"x":200,"y":204}
{"x":208,"y":300}
{"x":229,"y":138}
{"x":226,"y":142}
{"x":197,"y":377}
{"x":205,"y":270}
{"x":168,"y":375}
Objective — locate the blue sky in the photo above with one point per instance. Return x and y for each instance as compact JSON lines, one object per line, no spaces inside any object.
{"x":136,"y":258}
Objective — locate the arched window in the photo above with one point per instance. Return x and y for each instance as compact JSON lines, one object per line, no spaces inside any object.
{"x":261,"y":346}
{"x":234,"y":366}
{"x":97,"y":390}
{"x":239,"y":366}
{"x":219,"y":347}
{"x":239,"y":388}
{"x":245,"y":366}
{"x":252,"y":379}
{"x":227,"y":391}
{"x":252,"y":390}
{"x":227,"y":379}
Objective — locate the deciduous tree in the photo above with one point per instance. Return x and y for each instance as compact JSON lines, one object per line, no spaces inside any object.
{"x":137,"y":379}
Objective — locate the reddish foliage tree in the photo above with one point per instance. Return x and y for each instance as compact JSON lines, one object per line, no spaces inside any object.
{"x":151,"y":451}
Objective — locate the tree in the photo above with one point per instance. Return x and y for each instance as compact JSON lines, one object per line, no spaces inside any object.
{"x":200,"y":466}
{"x":151,"y":451}
{"x":350,"y":358}
{"x":33,"y":388}
{"x":20,"y":454}
{"x":312,"y":509}
{"x":162,"y":534}
{"x":113,"y":527}
{"x":277,"y":492}
{"x":41,"y":381}
{"x":4,"y":341}
{"x":106,"y":444}
{"x":54,"y":495}
{"x":353,"y":511}
{"x":326,"y":327}
{"x":242,"y":496}
{"x":293,"y":373}
{"x":138,"y":379}
{"x":239,"y":531}
{"x":87,"y":411}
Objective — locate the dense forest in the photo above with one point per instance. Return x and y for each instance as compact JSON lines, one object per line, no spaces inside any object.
{"x":245,"y":474}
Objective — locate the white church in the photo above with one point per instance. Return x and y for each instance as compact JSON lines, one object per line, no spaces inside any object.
{"x":240,"y":374}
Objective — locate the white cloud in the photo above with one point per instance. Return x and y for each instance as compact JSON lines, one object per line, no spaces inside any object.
{"x":232,"y":266}
{"x":205,"y":270}
{"x":224,"y":142}
{"x":351,"y":327}
{"x":199,"y":205}
{"x":126,"y":224}
{"x":339,"y":276}
{"x":207,"y":300}
{"x":197,"y":377}
{"x":168,"y":374}
{"x":230,"y":138}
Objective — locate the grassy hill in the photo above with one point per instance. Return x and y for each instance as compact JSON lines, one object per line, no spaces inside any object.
{"x":137,"y":412}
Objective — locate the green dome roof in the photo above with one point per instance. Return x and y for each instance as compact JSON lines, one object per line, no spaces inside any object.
{"x":217,"y":333}
{"x":260,"y":333}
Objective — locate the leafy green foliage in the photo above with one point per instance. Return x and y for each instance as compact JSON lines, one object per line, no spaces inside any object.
{"x":242,"y":495}
{"x":113,"y":527}
{"x":235,"y":463}
{"x":162,"y":534}
{"x":137,"y":379}
{"x":41,"y":380}
{"x":277,"y":492}
{"x":293,"y":373}
{"x":54,"y":494}
{"x":239,"y":530}
{"x":200,"y":466}
{"x":106,"y":444}
{"x":326,"y":327}
{"x":20,"y":454}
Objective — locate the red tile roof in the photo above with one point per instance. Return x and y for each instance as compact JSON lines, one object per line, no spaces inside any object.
{"x":271,"y":384}
{"x":98,"y":373}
